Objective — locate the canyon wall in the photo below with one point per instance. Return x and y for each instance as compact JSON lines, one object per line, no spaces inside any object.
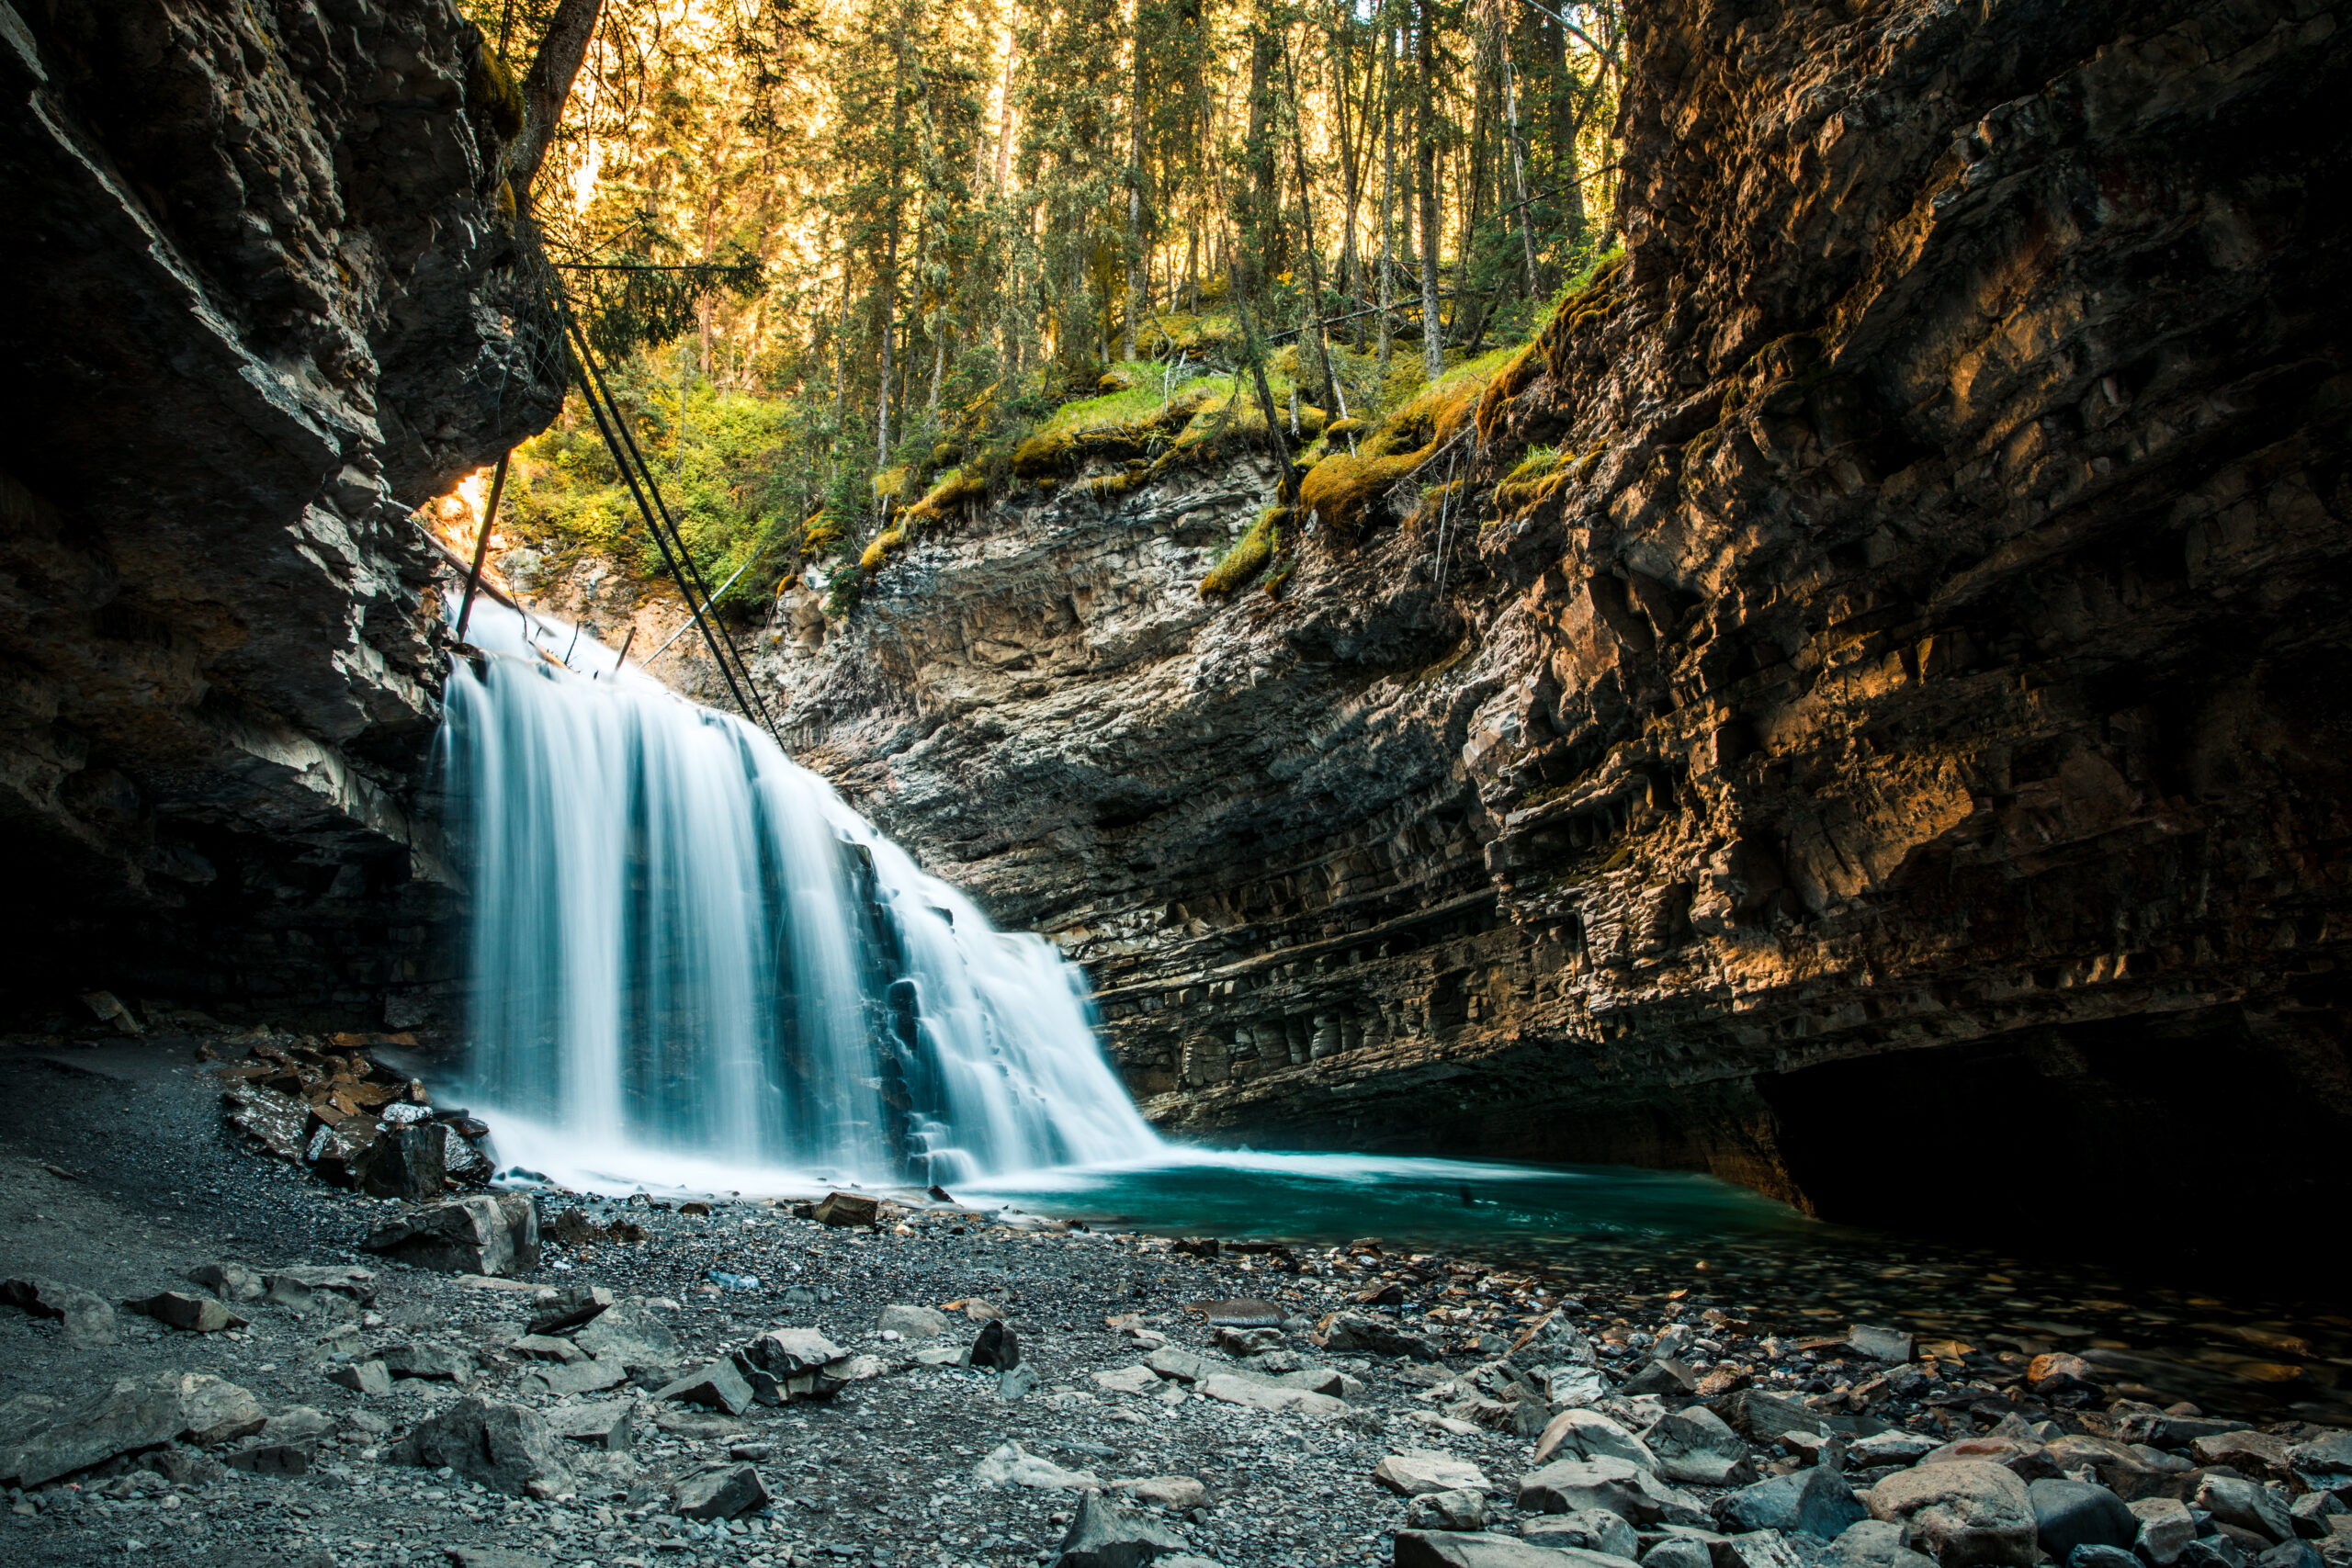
{"x":1898,"y":761}
{"x":266,"y":295}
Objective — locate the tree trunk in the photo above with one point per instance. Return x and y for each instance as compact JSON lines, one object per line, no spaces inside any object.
{"x":1518,"y":162}
{"x":1387,"y":182}
{"x":546,"y":85}
{"x":1425,"y":174}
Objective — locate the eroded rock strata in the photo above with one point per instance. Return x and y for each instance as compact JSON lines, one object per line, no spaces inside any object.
{"x":1899,"y":766}
{"x":265,"y":296}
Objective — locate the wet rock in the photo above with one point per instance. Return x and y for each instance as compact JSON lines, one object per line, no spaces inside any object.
{"x":718,"y":1386}
{"x":1764,"y":1417}
{"x":88,"y":1320}
{"x":433,"y":1363}
{"x":1178,"y":1492}
{"x":2246,"y":1504}
{"x":1677,"y":1552}
{"x":575,"y":1306}
{"x":2311,"y":1513}
{"x":1449,"y":1549}
{"x":1350,"y":1332}
{"x":2258,"y":1454}
{"x":2068,"y":1514}
{"x":1566,"y":1486}
{"x":1873,"y":1344}
{"x":1017,"y":1384}
{"x":1763,"y":1549}
{"x":2021,"y":1456}
{"x":486,"y":1234}
{"x":229,"y":1281}
{"x":1668,"y":1378}
{"x":913,"y":1323}
{"x":1105,"y":1535}
{"x":997,"y":1346}
{"x":409,"y":1161}
{"x":2056,"y":1375}
{"x":1587,"y":1434}
{"x":367,"y":1378}
{"x":847,"y":1208}
{"x":1814,"y":1502}
{"x":1696,"y":1449}
{"x":609,"y":1424}
{"x":507,"y":1447}
{"x":1460,"y":1510}
{"x":1010,"y":1464}
{"x":719,"y":1494}
{"x":2324,"y":1463}
{"x":196,"y":1314}
{"x":631,"y":1335}
{"x":2292,"y":1554}
{"x":1589,"y":1529}
{"x":2165,"y":1529}
{"x":1417,"y":1472}
{"x":1965,"y":1511}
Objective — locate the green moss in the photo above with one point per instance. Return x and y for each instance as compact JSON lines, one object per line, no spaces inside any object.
{"x":883,"y":545}
{"x":1248,"y":557}
{"x":892,"y":484}
{"x":491,"y":88}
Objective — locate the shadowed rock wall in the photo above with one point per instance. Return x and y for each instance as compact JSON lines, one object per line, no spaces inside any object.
{"x":1923,"y":692}
{"x":265,"y":296}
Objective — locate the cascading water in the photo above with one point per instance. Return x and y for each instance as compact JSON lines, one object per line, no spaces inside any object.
{"x":691,"y":961}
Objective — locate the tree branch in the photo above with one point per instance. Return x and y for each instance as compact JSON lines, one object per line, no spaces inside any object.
{"x":548,"y":85}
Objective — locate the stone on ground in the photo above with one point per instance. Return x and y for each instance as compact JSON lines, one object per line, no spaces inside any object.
{"x":547,"y":1347}
{"x":1962,"y":1512}
{"x":2165,"y":1529}
{"x":229,"y":1281}
{"x":1354,"y":1333}
{"x":507,"y":1447}
{"x":1890,"y":1447}
{"x":88,"y":1319}
{"x":1566,"y":1486}
{"x":1668,"y":1378}
{"x":913,"y":1322}
{"x":719,"y":1494}
{"x":1695,"y":1447}
{"x":575,"y":1306}
{"x":1451,"y":1548}
{"x":1252,"y":1394}
{"x":1417,"y":1472}
{"x":435,"y":1363}
{"x":1010,"y":1464}
{"x":176,"y":1309}
{"x":1105,"y":1535}
{"x":570,"y":1380}
{"x":789,"y":1352}
{"x":1018,"y":1382}
{"x":368,"y":1378}
{"x":1678,"y":1552}
{"x":718,"y":1386}
{"x":607,"y":1424}
{"x":2246,"y":1506}
{"x":214,"y":1410}
{"x":1587,"y":1434}
{"x":997,"y":1346}
{"x":632,"y":1336}
{"x":1815,"y":1501}
{"x":1879,"y":1344}
{"x":495,"y":1557}
{"x":1873,"y":1543}
{"x":847,"y":1208}
{"x":2068,"y":1514}
{"x":1588,"y":1529}
{"x":1176,"y":1491}
{"x":484,"y":1234}
{"x":1128,"y":1380}
{"x":1461,"y":1510}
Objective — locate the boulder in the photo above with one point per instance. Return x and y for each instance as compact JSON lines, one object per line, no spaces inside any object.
{"x":41,"y":1438}
{"x":1587,"y":1434}
{"x":1567,"y":1487}
{"x":1455,"y":1549}
{"x":1348,"y":1333}
{"x":1421,"y":1473}
{"x":1104,"y":1535}
{"x":571,"y":1380}
{"x":89,"y":1321}
{"x":1574,"y":1387}
{"x":2246,"y":1504}
{"x":1879,"y":1344}
{"x":1589,"y":1529}
{"x":718,"y":1386}
{"x":997,"y":1346}
{"x":1669,"y":1379}
{"x":273,"y":1459}
{"x":489,"y":1557}
{"x":410,"y":1160}
{"x":609,"y":1424}
{"x":433,"y":1363}
{"x":2165,"y":1529}
{"x":176,"y":1309}
{"x":1696,"y":1449}
{"x":789,"y":1352}
{"x":367,"y":1378}
{"x":335,"y":1289}
{"x":485,"y":1234}
{"x":548,"y":1348}
{"x":2068,"y":1514}
{"x":2259,"y":1454}
{"x":913,"y":1323}
{"x":507,"y":1447}
{"x":630,"y":1335}
{"x":720,"y":1493}
{"x":575,"y":1306}
{"x":847,"y":1208}
{"x":1963,"y":1511}
{"x":229,"y":1281}
{"x":1873,"y":1543}
{"x":1010,"y":1464}
{"x":214,"y":1410}
{"x":1815,"y":1501}
{"x":2324,"y":1463}
{"x":1461,"y":1510}
{"x":1165,"y":1491}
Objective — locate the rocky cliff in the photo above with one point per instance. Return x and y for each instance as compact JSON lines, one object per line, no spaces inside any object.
{"x":264,"y":295}
{"x":1892,"y":754}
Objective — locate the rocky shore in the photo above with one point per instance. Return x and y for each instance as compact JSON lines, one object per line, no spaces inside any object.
{"x":217,"y":1355}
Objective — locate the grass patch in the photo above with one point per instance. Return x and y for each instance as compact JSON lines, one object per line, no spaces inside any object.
{"x":1241,"y":564}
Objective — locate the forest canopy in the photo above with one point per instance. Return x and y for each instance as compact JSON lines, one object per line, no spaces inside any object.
{"x":844,"y":254}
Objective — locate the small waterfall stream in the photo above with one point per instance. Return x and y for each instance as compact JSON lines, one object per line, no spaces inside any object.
{"x":690,"y":960}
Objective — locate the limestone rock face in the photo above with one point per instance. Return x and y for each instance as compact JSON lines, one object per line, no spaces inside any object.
{"x":1917,"y":698}
{"x":266,"y":295}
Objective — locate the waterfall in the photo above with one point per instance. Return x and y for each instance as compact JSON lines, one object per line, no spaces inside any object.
{"x":689,"y":960}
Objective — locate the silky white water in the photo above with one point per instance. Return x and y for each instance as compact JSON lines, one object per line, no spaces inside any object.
{"x":691,"y":965}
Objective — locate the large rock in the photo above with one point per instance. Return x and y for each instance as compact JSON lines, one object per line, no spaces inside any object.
{"x":1104,"y":1535}
{"x":2246,"y":1504}
{"x":485,"y":1234}
{"x":88,"y":1318}
{"x":1010,"y":1464}
{"x":1417,"y":1472}
{"x":1256,"y":1393}
{"x":1875,"y":1543}
{"x":574,"y":1306}
{"x":2068,"y":1514}
{"x":1449,"y":1549}
{"x":718,"y":1386}
{"x":432,"y":1363}
{"x":1815,"y":1501}
{"x":1354,"y":1333}
{"x":507,"y":1447}
{"x":1696,"y":1449}
{"x":721,"y":1492}
{"x":996,"y":1346}
{"x":913,"y":1323}
{"x":1587,"y":1434}
{"x":630,"y":1335}
{"x":610,"y":1424}
{"x":197,"y":1314}
{"x":42,"y":1439}
{"x":1461,"y":1510}
{"x":1964,"y":1512}
{"x":1567,"y":1487}
{"x":1590,"y":1529}
{"x":2165,"y":1529}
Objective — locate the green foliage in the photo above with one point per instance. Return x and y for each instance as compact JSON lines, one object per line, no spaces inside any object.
{"x":1240,"y":565}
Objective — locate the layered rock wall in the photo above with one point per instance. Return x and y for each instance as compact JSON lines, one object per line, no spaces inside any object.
{"x":1897,"y":762}
{"x":266,"y":294}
